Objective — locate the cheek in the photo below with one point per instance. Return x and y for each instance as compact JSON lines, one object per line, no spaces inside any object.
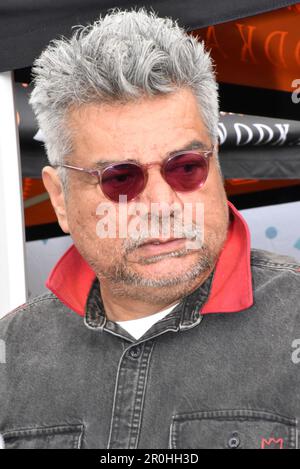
{"x":81,"y":221}
{"x":102,"y":251}
{"x":210,"y":208}
{"x":81,"y":212}
{"x":210,"y":200}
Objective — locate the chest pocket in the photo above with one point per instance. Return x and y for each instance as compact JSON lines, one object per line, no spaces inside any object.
{"x":233,"y":429}
{"x":55,"y":437}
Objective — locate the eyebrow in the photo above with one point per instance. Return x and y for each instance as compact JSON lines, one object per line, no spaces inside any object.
{"x":192,"y":145}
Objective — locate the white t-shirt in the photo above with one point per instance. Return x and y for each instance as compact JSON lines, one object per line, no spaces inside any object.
{"x":138,"y":327}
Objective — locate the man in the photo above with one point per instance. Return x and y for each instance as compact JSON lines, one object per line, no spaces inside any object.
{"x":178,"y":336}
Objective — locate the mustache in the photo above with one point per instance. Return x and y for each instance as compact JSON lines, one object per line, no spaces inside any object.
{"x":176,"y":229}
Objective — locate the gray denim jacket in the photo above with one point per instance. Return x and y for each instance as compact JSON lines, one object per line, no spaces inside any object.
{"x":191,"y":381}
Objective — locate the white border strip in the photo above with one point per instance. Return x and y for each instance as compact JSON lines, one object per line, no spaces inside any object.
{"x":13,"y":291}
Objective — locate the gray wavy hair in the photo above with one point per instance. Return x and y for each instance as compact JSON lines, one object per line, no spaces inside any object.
{"x":122,"y":56}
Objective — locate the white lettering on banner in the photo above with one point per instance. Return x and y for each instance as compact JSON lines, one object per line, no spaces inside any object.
{"x":256,"y":134}
{"x":222,"y":131}
{"x":283,"y":132}
{"x":261,"y":128}
{"x":237,"y":127}
{"x":296,"y":93}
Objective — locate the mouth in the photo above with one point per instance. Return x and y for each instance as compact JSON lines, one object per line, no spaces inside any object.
{"x":159,"y":246}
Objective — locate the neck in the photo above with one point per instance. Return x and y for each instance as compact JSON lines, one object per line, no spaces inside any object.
{"x":129,"y":302}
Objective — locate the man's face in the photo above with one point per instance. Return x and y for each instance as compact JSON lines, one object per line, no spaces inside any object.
{"x":146,"y":131}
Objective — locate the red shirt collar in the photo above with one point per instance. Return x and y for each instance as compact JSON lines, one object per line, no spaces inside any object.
{"x":231,"y":291}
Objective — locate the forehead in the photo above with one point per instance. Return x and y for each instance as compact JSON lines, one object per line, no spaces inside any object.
{"x":141,"y":129}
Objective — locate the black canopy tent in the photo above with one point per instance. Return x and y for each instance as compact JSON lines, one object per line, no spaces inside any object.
{"x":27,"y":27}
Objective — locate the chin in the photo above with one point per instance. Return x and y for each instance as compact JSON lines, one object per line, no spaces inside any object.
{"x":167,"y":267}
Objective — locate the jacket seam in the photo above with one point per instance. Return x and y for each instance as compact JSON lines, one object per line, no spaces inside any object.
{"x":22,"y":308}
{"x":141,"y":412}
{"x":277,"y":266}
{"x":112,"y":419}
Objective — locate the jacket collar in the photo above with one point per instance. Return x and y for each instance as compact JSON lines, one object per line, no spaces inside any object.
{"x":231,"y":290}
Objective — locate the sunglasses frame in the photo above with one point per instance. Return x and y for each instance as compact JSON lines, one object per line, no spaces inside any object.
{"x":206,"y":154}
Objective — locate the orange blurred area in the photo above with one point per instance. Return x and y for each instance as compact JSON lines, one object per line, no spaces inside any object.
{"x":261,"y":51}
{"x":243,"y":186}
{"x":41,"y":211}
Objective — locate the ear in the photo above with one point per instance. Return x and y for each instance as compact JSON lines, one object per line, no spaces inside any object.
{"x":216,"y":147}
{"x":54,"y":188}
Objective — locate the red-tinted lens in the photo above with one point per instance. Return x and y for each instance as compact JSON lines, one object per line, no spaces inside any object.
{"x":186,"y":172}
{"x":122,"y":179}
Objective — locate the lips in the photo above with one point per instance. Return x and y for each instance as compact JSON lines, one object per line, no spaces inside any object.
{"x":160,"y":241}
{"x":156,"y":245}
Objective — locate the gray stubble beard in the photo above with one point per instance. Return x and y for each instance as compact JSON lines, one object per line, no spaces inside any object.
{"x":128,"y":284}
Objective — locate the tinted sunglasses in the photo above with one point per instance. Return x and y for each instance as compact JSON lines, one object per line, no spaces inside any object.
{"x":184,"y":171}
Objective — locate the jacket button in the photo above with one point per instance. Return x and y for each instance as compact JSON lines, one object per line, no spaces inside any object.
{"x":135,"y":352}
{"x":234,"y":441}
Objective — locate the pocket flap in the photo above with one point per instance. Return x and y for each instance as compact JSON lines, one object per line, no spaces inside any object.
{"x":54,"y":437}
{"x":232,"y":429}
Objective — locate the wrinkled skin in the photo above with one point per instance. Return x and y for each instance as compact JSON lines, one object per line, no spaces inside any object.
{"x":135,"y":284}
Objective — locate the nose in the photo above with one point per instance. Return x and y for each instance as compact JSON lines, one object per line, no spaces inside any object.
{"x":157,"y":190}
{"x":162,"y":202}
